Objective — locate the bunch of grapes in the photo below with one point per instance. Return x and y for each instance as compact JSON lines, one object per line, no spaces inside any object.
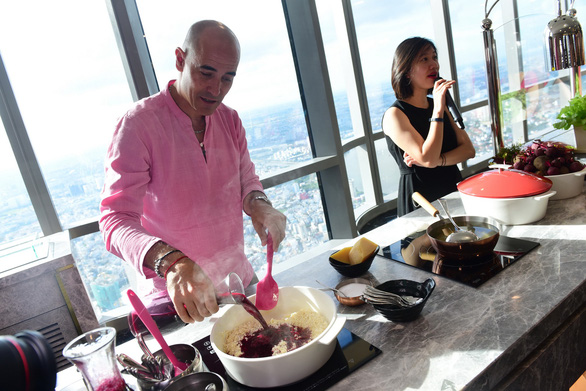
{"x":547,"y":158}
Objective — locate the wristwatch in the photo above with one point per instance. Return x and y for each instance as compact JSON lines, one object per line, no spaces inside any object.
{"x":264,"y":198}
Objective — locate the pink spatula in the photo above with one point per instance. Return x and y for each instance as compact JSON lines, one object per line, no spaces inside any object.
{"x":267,"y":290}
{"x":150,"y":324}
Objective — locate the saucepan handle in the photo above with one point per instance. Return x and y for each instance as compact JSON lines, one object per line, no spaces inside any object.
{"x":418,"y":199}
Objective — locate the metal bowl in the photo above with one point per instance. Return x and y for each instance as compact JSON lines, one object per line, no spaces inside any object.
{"x":185,"y":353}
{"x":200,"y":381}
{"x":351,"y":300}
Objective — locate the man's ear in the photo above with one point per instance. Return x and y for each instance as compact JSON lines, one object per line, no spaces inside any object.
{"x":179,"y":59}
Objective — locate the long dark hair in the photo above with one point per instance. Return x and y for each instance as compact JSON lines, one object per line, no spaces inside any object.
{"x":405,"y":55}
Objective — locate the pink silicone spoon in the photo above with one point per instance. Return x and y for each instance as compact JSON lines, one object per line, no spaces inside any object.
{"x":267,"y":290}
{"x":150,"y":324}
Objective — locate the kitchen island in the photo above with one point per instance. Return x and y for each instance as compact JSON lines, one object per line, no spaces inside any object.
{"x":524,"y":329}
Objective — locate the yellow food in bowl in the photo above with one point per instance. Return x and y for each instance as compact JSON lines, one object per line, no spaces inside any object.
{"x":356,"y":254}
{"x":342,"y":255}
{"x":361,"y":250}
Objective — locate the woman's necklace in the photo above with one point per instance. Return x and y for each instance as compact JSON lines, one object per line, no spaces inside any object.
{"x":199,"y":131}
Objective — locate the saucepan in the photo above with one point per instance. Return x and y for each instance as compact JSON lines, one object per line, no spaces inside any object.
{"x":485,"y":228}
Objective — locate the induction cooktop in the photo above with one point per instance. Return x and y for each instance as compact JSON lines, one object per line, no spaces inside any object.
{"x":416,"y":250}
{"x":351,"y":353}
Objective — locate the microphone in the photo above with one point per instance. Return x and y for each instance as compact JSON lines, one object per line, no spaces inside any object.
{"x":453,"y":108}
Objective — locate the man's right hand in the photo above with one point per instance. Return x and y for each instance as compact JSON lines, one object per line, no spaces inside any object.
{"x":191,"y":291}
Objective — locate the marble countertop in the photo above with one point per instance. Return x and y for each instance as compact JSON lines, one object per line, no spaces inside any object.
{"x":466,"y":338}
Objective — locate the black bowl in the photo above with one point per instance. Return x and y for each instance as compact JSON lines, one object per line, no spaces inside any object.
{"x":406,"y":288}
{"x":357,"y":270}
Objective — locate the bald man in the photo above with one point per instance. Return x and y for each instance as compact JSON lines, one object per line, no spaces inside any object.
{"x":179,"y":175}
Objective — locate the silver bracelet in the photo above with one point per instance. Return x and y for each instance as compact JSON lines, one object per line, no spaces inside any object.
{"x":264,"y":198}
{"x":436,"y":120}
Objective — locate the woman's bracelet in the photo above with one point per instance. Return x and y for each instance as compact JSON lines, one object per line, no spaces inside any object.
{"x":158,"y":263}
{"x":436,"y":120}
{"x":171,"y":265}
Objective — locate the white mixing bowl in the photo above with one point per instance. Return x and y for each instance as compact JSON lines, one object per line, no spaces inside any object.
{"x":288,"y":367}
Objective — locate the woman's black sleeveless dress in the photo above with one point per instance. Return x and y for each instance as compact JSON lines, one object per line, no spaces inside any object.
{"x":432,"y":183}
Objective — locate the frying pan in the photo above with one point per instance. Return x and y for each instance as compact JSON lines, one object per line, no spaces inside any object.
{"x":484,"y":227}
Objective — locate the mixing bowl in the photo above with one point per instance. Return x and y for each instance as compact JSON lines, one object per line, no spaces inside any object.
{"x":288,"y":367}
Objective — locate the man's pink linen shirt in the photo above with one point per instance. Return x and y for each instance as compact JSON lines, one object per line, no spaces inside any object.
{"x":159,"y":187}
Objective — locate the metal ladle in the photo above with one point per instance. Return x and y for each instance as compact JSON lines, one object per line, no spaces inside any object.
{"x":461,"y":235}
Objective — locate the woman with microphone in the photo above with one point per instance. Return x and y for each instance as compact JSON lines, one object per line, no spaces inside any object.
{"x":422,"y":136}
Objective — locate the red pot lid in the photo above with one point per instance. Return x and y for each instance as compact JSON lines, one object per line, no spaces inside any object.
{"x":504,"y":184}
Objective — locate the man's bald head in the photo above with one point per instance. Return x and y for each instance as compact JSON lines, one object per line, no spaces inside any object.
{"x":205,"y":28}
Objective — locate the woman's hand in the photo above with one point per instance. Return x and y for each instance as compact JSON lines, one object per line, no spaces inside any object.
{"x":409,"y":161}
{"x":439,"y":95}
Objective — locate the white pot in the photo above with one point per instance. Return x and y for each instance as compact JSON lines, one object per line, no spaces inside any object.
{"x":568,"y":185}
{"x":509,"y":211}
{"x":288,"y":367}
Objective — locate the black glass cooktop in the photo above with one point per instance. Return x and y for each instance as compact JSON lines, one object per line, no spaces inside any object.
{"x":351,"y":353}
{"x":416,"y":250}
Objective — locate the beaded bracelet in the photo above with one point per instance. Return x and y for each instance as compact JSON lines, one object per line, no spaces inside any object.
{"x":174,"y":262}
{"x":158,"y":263}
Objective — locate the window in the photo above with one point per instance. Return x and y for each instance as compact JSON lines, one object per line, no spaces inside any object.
{"x":380,"y":27}
{"x":389,"y":170}
{"x":300,"y":201}
{"x":65,"y":70}
{"x":543,"y":91}
{"x":106,"y":276}
{"x":529,"y":92}
{"x":265,"y":94}
{"x":70,"y":88}
{"x":18,"y":218}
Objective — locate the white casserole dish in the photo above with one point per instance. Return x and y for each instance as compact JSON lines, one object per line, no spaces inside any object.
{"x":508,"y":211}
{"x":567,"y":185}
{"x":510,"y":196}
{"x":288,"y":367}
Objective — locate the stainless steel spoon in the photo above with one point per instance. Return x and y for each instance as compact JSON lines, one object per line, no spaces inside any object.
{"x":143,"y":346}
{"x":331,"y":289}
{"x":128,"y":362}
{"x":461,"y":235}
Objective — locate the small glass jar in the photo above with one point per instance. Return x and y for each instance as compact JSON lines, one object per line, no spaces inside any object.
{"x":93,"y":355}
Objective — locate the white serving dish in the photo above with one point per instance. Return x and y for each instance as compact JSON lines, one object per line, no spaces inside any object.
{"x":288,"y":367}
{"x":567,"y":185}
{"x":508,"y":211}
